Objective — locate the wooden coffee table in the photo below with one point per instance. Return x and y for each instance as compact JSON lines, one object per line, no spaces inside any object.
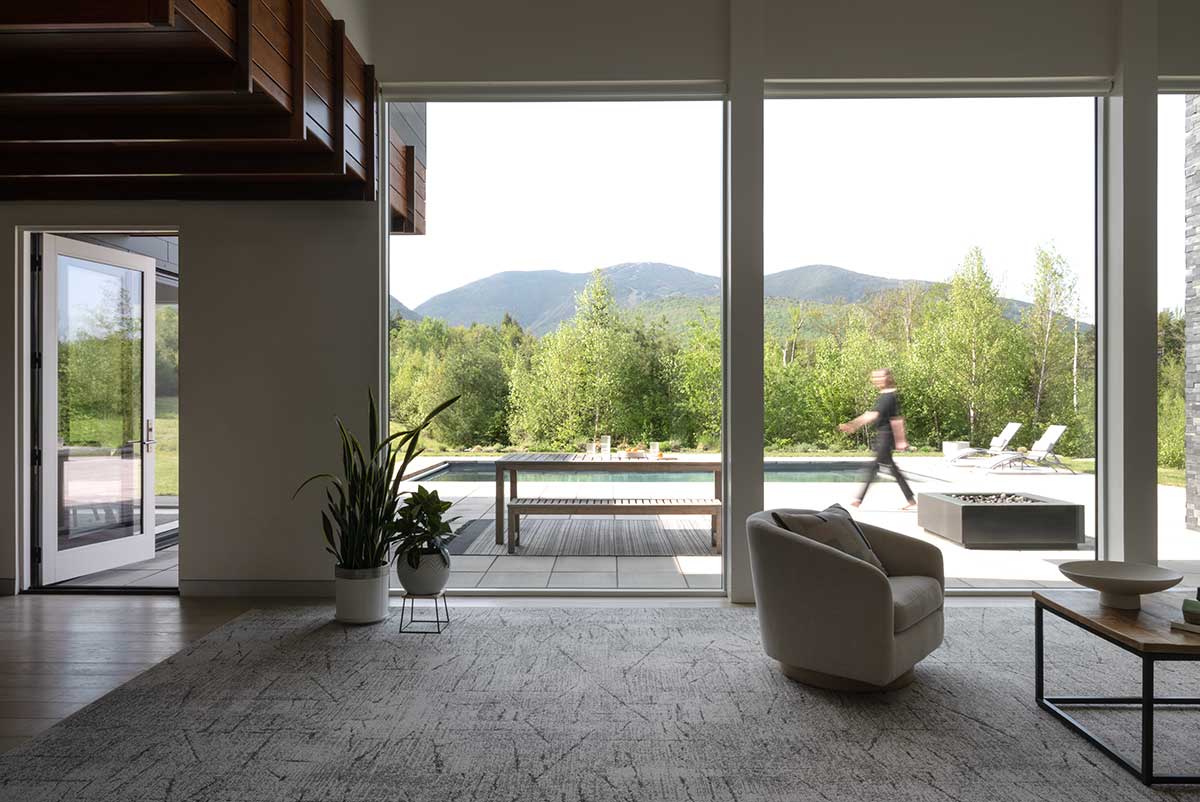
{"x":1145,"y":633}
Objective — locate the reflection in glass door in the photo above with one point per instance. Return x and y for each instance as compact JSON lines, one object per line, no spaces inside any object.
{"x":96,"y":417}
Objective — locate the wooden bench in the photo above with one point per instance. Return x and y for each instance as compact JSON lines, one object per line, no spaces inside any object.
{"x":611,"y":506}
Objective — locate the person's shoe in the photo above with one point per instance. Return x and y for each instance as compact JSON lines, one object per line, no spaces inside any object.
{"x":912,"y":505}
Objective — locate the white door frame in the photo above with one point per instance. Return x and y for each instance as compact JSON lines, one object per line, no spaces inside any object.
{"x":56,"y":566}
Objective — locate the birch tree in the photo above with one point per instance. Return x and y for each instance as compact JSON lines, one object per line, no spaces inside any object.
{"x":1046,"y":323}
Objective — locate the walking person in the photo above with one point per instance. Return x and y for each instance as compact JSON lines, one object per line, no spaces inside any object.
{"x":889,"y":435}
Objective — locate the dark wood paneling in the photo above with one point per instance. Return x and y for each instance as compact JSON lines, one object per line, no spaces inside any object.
{"x":337,"y":109}
{"x":189,"y":15}
{"x":318,"y":113}
{"x":52,"y":80}
{"x":267,"y":59}
{"x":273,"y":30}
{"x":265,"y":85}
{"x":299,"y":64}
{"x":60,"y":14}
{"x":143,"y":126}
{"x":222,"y":13}
{"x":149,"y":45}
{"x":354,"y":147}
{"x":318,"y":80}
{"x":258,"y":94}
{"x":280,"y":187}
{"x":121,"y":159}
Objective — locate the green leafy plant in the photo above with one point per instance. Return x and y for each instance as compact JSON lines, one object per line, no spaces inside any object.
{"x":362,"y":520}
{"x":422,"y":528}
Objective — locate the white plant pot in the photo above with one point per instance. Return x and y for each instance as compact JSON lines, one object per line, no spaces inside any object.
{"x":429,"y":578}
{"x":362,"y":594}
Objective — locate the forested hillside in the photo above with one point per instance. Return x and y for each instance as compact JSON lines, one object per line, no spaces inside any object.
{"x":966,"y":360}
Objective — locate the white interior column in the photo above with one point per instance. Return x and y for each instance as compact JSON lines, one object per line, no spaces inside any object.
{"x":1128,"y":425}
{"x":743,"y":296}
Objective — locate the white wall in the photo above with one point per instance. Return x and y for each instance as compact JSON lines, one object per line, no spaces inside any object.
{"x":481,"y":40}
{"x":940,"y":39}
{"x":549,"y":40}
{"x":280,"y":330}
{"x":1178,"y":35}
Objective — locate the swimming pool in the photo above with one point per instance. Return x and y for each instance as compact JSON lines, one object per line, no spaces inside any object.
{"x":775,"y":471}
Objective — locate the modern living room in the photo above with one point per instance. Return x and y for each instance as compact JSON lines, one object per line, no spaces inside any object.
{"x":332,"y":635}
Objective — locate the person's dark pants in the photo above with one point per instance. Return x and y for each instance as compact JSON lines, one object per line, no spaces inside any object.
{"x":884,"y":445}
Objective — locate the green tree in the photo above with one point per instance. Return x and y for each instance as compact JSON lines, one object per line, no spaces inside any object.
{"x":970,"y":349}
{"x":1046,"y":326}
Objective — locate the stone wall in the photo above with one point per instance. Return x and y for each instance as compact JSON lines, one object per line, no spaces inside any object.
{"x":1192,"y":307}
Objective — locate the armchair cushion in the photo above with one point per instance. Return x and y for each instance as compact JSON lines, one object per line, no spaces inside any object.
{"x":833,"y":527}
{"x":913,"y":599}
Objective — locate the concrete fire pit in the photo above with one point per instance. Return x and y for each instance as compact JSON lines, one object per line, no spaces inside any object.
{"x":992,"y":520}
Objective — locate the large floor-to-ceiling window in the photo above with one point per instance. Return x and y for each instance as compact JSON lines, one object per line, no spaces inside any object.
{"x":567,"y":285}
{"x":940,"y":252}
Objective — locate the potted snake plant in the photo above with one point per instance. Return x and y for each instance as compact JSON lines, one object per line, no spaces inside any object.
{"x":362,"y":520}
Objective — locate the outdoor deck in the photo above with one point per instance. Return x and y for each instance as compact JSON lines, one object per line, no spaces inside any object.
{"x":660,"y":551}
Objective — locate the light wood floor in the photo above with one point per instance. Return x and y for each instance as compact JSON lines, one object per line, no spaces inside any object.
{"x":59,"y":653}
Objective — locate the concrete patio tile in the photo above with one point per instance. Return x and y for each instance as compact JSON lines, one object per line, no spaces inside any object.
{"x":514,"y":579}
{"x":507,"y":563}
{"x":699,"y":564}
{"x":471,"y":562}
{"x":651,"y":579}
{"x":589,"y":564}
{"x":583,"y":579}
{"x":644,"y":564}
{"x":464,"y":579}
{"x":952,"y":582}
{"x":703,"y":581}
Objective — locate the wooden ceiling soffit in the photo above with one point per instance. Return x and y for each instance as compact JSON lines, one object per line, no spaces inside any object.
{"x":163,"y":91}
{"x":406,"y":187}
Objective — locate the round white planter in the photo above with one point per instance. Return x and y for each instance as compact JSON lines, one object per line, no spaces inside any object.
{"x":429,"y":578}
{"x":362,"y":594}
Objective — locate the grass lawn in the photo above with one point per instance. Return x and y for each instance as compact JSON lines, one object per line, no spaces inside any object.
{"x":1171,"y":477}
{"x":166,"y":451}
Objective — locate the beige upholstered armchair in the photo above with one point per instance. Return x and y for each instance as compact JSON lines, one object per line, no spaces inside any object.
{"x":836,"y":621}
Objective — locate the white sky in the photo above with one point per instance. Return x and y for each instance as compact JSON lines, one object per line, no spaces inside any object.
{"x":898,"y":188}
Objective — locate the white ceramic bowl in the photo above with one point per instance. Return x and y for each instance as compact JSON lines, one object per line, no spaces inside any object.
{"x":1121,"y":584}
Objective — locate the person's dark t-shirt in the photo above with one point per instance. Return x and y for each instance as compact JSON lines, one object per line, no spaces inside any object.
{"x":888,"y":407}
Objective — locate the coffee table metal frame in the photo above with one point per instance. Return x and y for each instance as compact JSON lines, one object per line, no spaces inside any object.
{"x":1147,"y":701}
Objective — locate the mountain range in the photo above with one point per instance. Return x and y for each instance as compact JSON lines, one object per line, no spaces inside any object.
{"x":542,"y":299}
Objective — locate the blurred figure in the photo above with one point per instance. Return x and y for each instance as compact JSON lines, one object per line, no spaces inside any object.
{"x":889,"y":435}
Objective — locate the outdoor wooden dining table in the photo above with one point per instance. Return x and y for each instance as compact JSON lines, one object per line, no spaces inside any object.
{"x":513,"y":464}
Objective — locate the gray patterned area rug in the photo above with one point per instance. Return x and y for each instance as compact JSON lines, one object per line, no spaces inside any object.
{"x":574,"y":704}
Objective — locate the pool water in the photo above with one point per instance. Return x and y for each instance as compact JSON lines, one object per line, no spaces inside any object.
{"x":824,"y":471}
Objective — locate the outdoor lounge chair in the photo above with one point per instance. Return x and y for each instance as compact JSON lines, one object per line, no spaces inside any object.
{"x":998,"y":446}
{"x":1040,"y":454}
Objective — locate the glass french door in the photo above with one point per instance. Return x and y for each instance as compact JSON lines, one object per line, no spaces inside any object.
{"x":96,"y":422}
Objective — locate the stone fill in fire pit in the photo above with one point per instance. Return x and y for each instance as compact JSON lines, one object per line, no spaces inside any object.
{"x":994,"y":498}
{"x":1002,"y":520}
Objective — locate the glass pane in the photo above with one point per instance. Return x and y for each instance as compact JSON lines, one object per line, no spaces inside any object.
{"x":930,"y":336}
{"x":587,"y":332}
{"x":99,"y":402}
{"x":166,"y":403}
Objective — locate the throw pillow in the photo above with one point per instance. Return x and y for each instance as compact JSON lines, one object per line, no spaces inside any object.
{"x":833,"y":527}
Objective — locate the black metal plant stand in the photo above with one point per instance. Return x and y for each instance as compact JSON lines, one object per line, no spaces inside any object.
{"x":422,"y":626}
{"x":1147,"y":701}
